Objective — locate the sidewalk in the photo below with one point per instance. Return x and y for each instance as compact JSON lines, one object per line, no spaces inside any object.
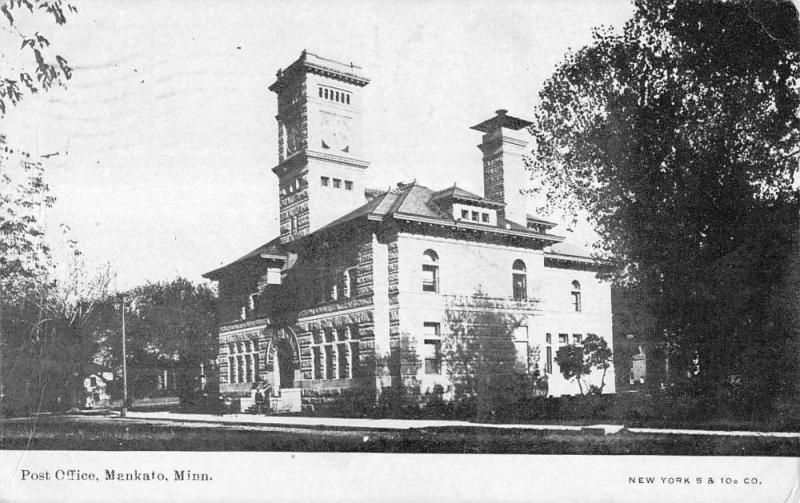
{"x":408,"y":424}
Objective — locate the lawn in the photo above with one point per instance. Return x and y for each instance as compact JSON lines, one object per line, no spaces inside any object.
{"x":104,"y":433}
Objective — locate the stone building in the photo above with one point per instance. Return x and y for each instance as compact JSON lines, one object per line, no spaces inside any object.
{"x":358,"y":275}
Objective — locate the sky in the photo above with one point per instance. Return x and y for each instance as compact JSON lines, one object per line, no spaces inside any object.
{"x":166,"y":134}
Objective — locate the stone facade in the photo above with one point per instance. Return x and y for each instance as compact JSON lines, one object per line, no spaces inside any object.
{"x":359,"y":292}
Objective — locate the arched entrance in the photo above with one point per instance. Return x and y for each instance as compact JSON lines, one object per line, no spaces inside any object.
{"x":283,"y":358}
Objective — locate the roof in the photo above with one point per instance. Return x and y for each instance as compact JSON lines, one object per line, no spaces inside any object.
{"x":569,"y":250}
{"x":502,"y":119}
{"x":270,"y":249}
{"x":458,"y":194}
{"x":408,"y":202}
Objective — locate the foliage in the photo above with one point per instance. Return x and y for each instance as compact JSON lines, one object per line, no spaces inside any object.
{"x":680,"y":138}
{"x":170,"y":326}
{"x":480,"y":357}
{"x":49,"y":69}
{"x":577,"y":361}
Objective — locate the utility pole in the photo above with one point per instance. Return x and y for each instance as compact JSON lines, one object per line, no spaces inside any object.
{"x":124,"y":409}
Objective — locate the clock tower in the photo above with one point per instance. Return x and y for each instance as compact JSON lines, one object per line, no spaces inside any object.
{"x":320,"y":170}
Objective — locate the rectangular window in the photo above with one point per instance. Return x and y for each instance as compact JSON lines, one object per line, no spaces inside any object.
{"x":316,"y":368}
{"x":343,"y":367}
{"x":520,"y":287}
{"x":563,"y":338}
{"x":239,"y":369}
{"x":324,"y":180}
{"x":521,"y":351}
{"x":231,"y":370}
{"x":465,"y":214}
{"x":577,"y":338}
{"x":548,"y":363}
{"x":329,"y":362}
{"x":548,"y":338}
{"x":92,"y":381}
{"x":248,"y":368}
{"x":475,"y":216}
{"x":354,"y":359}
{"x":430,"y":278}
{"x":348,"y":185}
{"x":576,"y":301}
{"x":432,"y":350}
{"x":337,"y":183}
{"x":485,"y":218}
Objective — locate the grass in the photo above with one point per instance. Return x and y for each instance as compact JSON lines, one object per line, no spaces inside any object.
{"x":114,"y":434}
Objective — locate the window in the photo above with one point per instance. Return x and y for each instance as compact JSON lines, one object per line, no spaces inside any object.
{"x":548,"y":363}
{"x":293,"y":224}
{"x":251,"y":301}
{"x":337,"y":183}
{"x":334,"y":291}
{"x":324,"y":180}
{"x":522,"y":363}
{"x":475,"y":216}
{"x":242,"y":362}
{"x":576,"y":296}
{"x":430,"y":271}
{"x":465,"y":214}
{"x":348,"y":185}
{"x":519,"y":280}
{"x":335,"y":352}
{"x":92,"y":381}
{"x":577,"y":338}
{"x":485,"y":218}
{"x":563,"y":338}
{"x":548,"y":338}
{"x":243,"y":312}
{"x":432,"y":349}
{"x":350,"y":282}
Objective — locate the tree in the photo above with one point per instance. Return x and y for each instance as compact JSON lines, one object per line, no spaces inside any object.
{"x":577,"y":361}
{"x":170,"y":326}
{"x":680,"y":138}
{"x":48,"y":70}
{"x":480,"y":356}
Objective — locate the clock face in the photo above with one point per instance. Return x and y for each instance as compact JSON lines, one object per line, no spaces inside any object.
{"x":335,"y":133}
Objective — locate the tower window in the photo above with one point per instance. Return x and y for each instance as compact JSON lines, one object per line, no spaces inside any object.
{"x":324,"y":180}
{"x":348,"y":185}
{"x":337,"y":183}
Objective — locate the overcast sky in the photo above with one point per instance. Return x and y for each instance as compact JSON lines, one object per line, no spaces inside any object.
{"x":166,"y":134}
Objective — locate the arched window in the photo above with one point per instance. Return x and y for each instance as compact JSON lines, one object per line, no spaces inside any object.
{"x":519,"y":280}
{"x":576,"y":296}
{"x":430,"y":271}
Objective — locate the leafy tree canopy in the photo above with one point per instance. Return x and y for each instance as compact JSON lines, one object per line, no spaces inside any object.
{"x":680,"y":138}
{"x":37,"y":68}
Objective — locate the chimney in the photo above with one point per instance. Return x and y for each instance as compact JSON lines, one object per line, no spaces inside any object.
{"x":505,"y":140}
